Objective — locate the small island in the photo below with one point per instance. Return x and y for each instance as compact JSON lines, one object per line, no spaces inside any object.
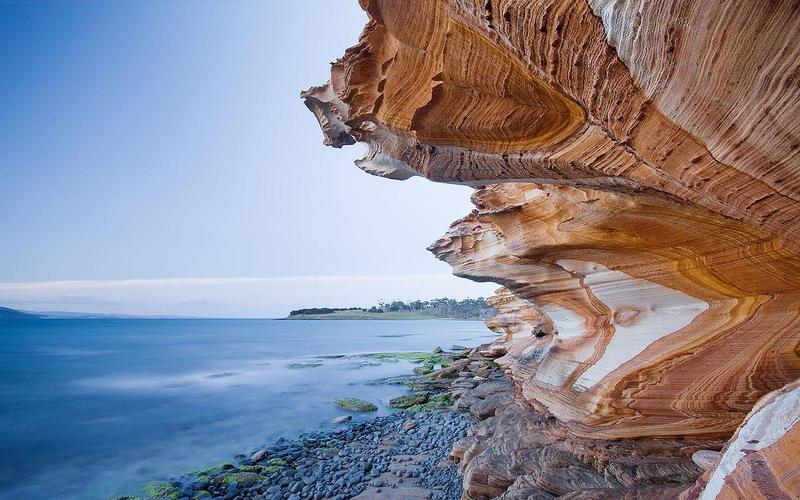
{"x":443,"y":308}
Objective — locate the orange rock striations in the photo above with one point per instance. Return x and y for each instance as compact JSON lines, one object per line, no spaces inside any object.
{"x":700,"y":106}
{"x":636,"y":166}
{"x":760,"y":461}
{"x":641,"y":317}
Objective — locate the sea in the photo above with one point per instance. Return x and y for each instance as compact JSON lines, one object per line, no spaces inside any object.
{"x":95,"y":408}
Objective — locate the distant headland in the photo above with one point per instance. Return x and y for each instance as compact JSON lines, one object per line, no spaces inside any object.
{"x":443,"y":308}
{"x":8,"y":313}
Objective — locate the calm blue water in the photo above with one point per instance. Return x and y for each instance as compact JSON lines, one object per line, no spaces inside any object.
{"x":95,"y":408}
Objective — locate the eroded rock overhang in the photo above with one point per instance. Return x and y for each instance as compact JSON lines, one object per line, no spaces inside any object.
{"x":637,"y":173}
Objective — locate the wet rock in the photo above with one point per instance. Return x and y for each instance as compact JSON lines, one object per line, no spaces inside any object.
{"x":312,"y":364}
{"x":355,"y":404}
{"x":424,"y":369}
{"x":452,"y":370}
{"x":408,"y":401}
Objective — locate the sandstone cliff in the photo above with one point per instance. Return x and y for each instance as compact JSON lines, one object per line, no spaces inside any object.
{"x":636,"y":171}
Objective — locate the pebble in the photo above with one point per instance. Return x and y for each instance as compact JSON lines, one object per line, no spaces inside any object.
{"x":394,"y":452}
{"x":363,"y":452}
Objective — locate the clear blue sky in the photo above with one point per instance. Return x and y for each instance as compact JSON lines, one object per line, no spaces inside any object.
{"x":167,"y":140}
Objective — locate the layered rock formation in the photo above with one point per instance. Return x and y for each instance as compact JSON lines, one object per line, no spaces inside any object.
{"x":760,"y":461}
{"x":643,"y":317}
{"x":637,"y":198}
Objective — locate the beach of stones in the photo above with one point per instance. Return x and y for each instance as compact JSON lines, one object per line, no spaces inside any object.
{"x":400,"y":456}
{"x":397,"y":456}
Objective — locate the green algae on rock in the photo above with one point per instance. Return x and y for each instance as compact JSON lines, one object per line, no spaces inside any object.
{"x":312,"y":364}
{"x":355,"y":404}
{"x":424,"y":369}
{"x":244,"y":479}
{"x":433,"y":358}
{"x":409,"y":400}
{"x":436,"y":402}
{"x":161,"y":489}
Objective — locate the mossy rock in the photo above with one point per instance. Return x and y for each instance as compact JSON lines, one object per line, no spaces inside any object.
{"x":201,"y":494}
{"x":424,"y":369}
{"x":244,"y":479}
{"x":443,"y":398}
{"x":355,"y":404}
{"x":414,"y":357}
{"x":357,"y":364}
{"x":409,"y":400}
{"x":436,"y":402}
{"x":312,"y":364}
{"x":278,"y":461}
{"x":161,"y":489}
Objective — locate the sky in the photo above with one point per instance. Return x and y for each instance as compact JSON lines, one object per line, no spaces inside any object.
{"x":155,"y":158}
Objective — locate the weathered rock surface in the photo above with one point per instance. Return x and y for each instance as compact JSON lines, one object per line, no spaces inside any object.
{"x":636,"y":166}
{"x":515,"y":452}
{"x":634,"y":316}
{"x":761,"y":459}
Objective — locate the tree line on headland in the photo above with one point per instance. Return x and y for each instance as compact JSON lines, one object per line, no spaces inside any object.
{"x":443,"y":308}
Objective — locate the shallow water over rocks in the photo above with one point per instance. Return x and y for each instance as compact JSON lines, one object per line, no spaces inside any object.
{"x":95,"y":408}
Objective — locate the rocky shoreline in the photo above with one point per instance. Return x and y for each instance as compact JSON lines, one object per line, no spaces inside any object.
{"x":396,"y":456}
{"x":463,"y":433}
{"x":401,"y":456}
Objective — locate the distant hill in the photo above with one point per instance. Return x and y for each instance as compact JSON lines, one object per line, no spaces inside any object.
{"x":444,"y":308}
{"x":8,"y":313}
